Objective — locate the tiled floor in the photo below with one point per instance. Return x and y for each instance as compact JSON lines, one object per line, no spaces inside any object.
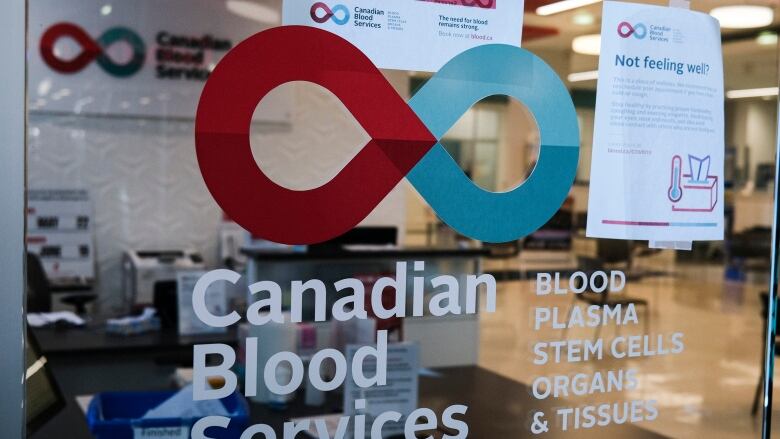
{"x":705,"y":392}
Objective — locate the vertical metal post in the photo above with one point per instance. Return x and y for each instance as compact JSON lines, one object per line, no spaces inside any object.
{"x":771,"y":318}
{"x":13,"y":133}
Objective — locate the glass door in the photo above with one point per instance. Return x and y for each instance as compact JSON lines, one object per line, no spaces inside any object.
{"x":419,"y":218}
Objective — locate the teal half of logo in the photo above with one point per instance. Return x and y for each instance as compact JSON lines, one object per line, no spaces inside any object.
{"x":137,"y":45}
{"x":340,"y":15}
{"x":468,"y":78}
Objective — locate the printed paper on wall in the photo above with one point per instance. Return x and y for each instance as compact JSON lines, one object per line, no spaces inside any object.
{"x":658,"y":147}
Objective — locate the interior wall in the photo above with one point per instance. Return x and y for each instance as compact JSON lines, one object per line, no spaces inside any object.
{"x":146,"y":187}
{"x":143,"y":179}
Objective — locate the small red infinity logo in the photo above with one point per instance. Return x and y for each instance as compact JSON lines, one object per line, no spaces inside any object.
{"x":93,"y":50}
{"x":90,"y":48}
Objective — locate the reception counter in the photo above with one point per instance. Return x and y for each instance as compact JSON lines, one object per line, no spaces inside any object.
{"x":447,"y":341}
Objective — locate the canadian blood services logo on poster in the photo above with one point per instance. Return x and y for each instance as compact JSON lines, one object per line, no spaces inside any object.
{"x":419,"y":35}
{"x":321,"y":13}
{"x":626,"y":29}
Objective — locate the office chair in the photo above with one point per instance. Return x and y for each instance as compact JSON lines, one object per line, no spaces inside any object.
{"x":504,"y":260}
{"x":754,"y":244}
{"x":38,"y":288}
{"x":608,"y":253}
{"x":505,"y":250}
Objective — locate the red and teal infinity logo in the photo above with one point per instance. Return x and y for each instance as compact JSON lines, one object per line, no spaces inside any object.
{"x":625,"y":30}
{"x":92,"y":50}
{"x":404,"y":138}
{"x":329,"y":14}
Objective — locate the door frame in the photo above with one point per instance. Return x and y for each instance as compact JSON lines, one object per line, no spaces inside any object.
{"x":13,"y":133}
{"x":771,"y":309}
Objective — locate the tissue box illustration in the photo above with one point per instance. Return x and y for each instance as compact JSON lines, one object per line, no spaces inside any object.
{"x":696,"y":191}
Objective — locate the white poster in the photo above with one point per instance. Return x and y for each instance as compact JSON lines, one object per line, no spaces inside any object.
{"x":658,"y":146}
{"x":60,"y":232}
{"x":216,"y":303}
{"x":138,"y":57}
{"x":417,"y":35}
{"x":400,"y":394}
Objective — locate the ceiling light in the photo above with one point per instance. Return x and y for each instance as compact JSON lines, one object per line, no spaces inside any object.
{"x":587,"y":44}
{"x":565,"y":5}
{"x":583,"y":19}
{"x":752,"y":93}
{"x":254,"y":11}
{"x":743,"y":16}
{"x":590,"y":75}
{"x":105,"y":10}
{"x":767,"y":38}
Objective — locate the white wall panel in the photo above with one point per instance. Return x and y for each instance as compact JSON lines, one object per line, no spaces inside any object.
{"x":148,"y":192}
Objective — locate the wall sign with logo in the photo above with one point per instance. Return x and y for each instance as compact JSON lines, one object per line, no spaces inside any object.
{"x":657,"y":167}
{"x":399,"y":394}
{"x":92,"y":50}
{"x":134,"y":58}
{"x":216,"y":300}
{"x":412,"y":34}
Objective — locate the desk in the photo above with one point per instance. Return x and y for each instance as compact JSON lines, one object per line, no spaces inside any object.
{"x":498,"y":407}
{"x":143,"y":361}
{"x":95,"y":341}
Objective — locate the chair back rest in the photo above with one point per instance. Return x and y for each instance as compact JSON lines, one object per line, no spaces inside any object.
{"x":38,"y":288}
{"x":611,"y":251}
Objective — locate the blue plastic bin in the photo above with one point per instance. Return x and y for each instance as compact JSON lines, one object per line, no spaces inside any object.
{"x":114,"y":415}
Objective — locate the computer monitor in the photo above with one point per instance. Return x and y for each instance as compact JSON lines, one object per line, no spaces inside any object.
{"x":43,"y":398}
{"x":360,"y":236}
